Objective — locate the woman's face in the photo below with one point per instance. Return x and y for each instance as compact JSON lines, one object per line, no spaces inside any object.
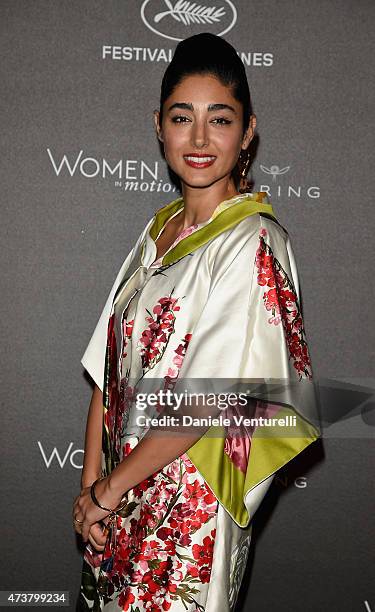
{"x":202,"y":131}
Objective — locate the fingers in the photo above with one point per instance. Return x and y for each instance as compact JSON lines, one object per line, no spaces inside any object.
{"x":96,"y":531}
{"x":80,"y":523}
{"x":97,"y":537}
{"x":77,"y":526}
{"x":85,"y":531}
{"x":83,"y":525}
{"x":77,"y":520}
{"x":95,"y":545}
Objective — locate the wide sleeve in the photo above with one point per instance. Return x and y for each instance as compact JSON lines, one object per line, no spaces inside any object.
{"x":93,"y":359}
{"x":250,"y":337}
{"x":94,"y":356}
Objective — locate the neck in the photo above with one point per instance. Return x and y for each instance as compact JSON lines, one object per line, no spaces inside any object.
{"x":200,"y":203}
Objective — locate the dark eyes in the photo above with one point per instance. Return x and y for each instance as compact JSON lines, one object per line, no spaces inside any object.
{"x":216,"y":120}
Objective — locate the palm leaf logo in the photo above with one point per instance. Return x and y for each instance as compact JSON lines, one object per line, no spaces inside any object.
{"x":190,"y":12}
{"x":274,"y":170}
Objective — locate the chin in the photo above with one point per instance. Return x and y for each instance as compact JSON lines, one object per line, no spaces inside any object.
{"x":199,"y":184}
{"x":194,"y":180}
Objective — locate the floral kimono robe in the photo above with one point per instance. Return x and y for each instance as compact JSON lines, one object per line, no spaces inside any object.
{"x":221,"y":305}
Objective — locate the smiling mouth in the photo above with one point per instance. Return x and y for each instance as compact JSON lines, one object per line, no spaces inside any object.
{"x":199,"y":161}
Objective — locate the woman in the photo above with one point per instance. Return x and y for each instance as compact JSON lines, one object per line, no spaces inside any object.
{"x":209,"y":292}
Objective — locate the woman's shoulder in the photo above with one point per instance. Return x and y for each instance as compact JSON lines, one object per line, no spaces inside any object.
{"x":239,"y":244}
{"x":252,"y":226}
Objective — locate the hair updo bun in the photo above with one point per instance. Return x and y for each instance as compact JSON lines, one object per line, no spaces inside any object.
{"x":208,"y":54}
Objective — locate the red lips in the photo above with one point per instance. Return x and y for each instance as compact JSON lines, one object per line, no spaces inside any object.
{"x":198,"y":155}
{"x":192,"y":159}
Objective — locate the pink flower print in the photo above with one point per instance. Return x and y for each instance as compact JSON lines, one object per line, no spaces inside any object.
{"x":92,"y":556}
{"x":149,"y":551}
{"x":124,"y":543}
{"x":172,"y":373}
{"x":173,"y":470}
{"x":282,"y":301}
{"x":137,"y":576}
{"x":177,"y":360}
{"x":180,"y":351}
{"x":192,"y":570}
{"x":189,"y":466}
{"x":186,"y":232}
{"x":154,"y":339}
{"x":127,"y":329}
{"x":238,"y":438}
{"x":155,"y":548}
{"x":237,"y":448}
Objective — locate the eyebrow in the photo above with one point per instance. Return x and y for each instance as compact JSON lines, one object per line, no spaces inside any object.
{"x":211,"y":107}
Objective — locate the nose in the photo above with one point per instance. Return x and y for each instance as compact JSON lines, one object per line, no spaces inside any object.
{"x":199,"y":134}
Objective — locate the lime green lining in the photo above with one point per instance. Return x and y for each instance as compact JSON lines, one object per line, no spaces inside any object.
{"x":271,"y":448}
{"x":227,"y":214}
{"x":162,"y":215}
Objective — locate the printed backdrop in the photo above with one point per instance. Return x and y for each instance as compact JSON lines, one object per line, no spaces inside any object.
{"x":82,"y":172}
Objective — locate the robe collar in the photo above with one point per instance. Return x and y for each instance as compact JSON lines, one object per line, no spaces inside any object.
{"x":226,"y":214}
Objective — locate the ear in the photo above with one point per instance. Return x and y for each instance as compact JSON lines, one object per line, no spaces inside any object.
{"x":158,"y":129}
{"x":249,"y":134}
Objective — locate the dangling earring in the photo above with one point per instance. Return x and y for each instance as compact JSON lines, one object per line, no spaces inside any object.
{"x":243,"y":166}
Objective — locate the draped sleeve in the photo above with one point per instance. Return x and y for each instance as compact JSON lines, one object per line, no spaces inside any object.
{"x":250,"y":336}
{"x":93,"y":359}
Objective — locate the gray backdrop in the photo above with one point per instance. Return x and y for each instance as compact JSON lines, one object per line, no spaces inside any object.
{"x":82,"y":173}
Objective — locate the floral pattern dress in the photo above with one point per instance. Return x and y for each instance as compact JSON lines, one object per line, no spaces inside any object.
{"x":175,"y":546}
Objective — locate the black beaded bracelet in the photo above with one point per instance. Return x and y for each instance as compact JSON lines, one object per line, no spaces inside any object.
{"x":94,"y":499}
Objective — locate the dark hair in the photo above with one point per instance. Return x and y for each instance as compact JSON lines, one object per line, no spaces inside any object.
{"x":208,"y":54}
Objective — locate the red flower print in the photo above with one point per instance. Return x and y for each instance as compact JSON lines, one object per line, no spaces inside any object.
{"x":193,"y":492}
{"x":170,"y":378}
{"x":148,"y":558}
{"x":203,"y":554}
{"x":281,"y":300}
{"x":127,"y":449}
{"x":209,"y":497}
{"x":127,"y":330}
{"x":204,"y":573}
{"x":111,"y":401}
{"x":164,"y":533}
{"x":193,"y":570}
{"x":92,"y":556}
{"x":126,"y":599}
{"x":160,"y":554}
{"x":180,"y":352}
{"x":154,"y":339}
{"x":189,"y":466}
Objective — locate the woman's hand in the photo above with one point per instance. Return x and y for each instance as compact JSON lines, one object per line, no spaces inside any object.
{"x":86,"y":514}
{"x":97,"y":533}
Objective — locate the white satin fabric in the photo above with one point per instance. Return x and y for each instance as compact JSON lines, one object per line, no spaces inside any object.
{"x":232,"y":336}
